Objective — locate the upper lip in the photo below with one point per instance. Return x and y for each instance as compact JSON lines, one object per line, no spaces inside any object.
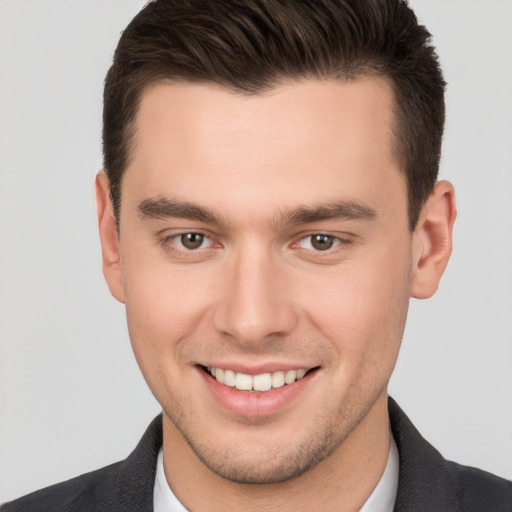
{"x":252,"y":369}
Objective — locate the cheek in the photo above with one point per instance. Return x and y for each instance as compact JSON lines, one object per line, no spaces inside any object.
{"x":362,"y":307}
{"x":163,"y":303}
{"x":163,"y":309}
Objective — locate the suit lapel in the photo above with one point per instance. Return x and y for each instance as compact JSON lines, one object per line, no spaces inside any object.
{"x":425,"y":483}
{"x":135,"y":480}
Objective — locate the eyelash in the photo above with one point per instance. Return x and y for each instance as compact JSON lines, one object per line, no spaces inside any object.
{"x":175,"y":244}
{"x":335,"y":240}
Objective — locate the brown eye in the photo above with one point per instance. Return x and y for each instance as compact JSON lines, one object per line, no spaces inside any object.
{"x":322,"y":242}
{"x":192,"y":240}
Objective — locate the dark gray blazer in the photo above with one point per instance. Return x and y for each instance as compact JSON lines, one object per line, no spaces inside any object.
{"x":427,"y":482}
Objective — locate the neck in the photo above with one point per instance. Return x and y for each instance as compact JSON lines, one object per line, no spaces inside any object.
{"x":341,"y":482}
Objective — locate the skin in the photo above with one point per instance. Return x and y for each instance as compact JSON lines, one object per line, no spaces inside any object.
{"x":257,"y":293}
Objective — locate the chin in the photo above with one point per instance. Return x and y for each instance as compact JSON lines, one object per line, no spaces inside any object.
{"x":272,"y":467}
{"x":265,"y":459}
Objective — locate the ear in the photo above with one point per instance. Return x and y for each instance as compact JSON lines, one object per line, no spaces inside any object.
{"x":432,"y":240}
{"x":109,"y":237}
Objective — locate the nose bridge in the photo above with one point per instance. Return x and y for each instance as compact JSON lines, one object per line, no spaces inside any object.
{"x":254,"y":302}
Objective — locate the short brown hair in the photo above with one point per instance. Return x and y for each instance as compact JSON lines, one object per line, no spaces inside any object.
{"x":250,"y":46}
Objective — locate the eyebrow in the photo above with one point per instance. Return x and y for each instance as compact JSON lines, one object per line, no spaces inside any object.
{"x":163,"y":208}
{"x":339,"y":210}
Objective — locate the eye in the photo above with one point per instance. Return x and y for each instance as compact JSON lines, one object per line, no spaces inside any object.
{"x":191,"y":241}
{"x":319,"y":242}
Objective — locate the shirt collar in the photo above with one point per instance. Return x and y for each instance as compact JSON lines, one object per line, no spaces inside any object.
{"x":382,"y":499}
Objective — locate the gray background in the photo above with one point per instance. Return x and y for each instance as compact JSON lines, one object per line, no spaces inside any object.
{"x":71,"y":396}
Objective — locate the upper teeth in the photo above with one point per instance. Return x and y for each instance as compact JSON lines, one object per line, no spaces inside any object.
{"x":261,"y":382}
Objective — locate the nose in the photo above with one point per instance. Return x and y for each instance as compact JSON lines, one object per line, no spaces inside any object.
{"x":254,"y":305}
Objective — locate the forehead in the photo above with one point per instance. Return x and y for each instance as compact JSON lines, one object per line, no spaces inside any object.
{"x":298,"y":140}
{"x":312,"y":111}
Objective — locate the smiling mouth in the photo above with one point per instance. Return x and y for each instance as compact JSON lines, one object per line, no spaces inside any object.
{"x":262,"y":382}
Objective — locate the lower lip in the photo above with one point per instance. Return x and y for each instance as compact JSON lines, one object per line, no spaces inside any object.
{"x":255,"y":404}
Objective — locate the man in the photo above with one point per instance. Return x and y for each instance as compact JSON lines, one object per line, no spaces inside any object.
{"x":268,"y":207}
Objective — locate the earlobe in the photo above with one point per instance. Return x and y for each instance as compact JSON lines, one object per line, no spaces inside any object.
{"x":110,"y":250}
{"x":432,"y":240}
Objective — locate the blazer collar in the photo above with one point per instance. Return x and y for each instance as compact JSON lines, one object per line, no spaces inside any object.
{"x":425,"y":482}
{"x":136,"y":476}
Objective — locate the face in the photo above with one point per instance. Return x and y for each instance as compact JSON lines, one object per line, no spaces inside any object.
{"x":265,"y":240}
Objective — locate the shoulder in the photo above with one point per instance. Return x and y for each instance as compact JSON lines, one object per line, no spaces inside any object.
{"x":75,"y":494}
{"x":430,"y":483}
{"x":479,"y":490}
{"x":124,"y":486}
